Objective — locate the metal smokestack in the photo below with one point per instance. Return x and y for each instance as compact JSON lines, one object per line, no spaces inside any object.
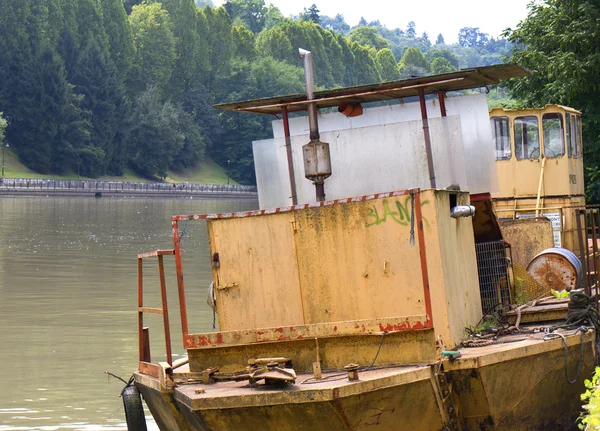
{"x":317,"y":161}
{"x":310,"y":93}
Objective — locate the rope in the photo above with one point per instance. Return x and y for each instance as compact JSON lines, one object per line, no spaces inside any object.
{"x":582,"y":311}
{"x":477,"y":343}
{"x":566,"y":350}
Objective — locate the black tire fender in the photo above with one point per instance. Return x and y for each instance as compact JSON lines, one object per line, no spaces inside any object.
{"x":134,"y":410}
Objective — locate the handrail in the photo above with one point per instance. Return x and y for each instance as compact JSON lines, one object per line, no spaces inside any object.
{"x":143,"y":338}
{"x":121,"y":186}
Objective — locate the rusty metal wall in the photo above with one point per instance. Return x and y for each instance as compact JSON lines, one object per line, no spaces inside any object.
{"x":332,"y":263}
{"x":527,"y":237}
{"x":344,"y":261}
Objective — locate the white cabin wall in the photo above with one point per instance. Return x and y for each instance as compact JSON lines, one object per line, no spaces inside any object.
{"x":383,"y":150}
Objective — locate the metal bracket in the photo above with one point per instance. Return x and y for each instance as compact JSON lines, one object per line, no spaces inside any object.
{"x":228,"y":286}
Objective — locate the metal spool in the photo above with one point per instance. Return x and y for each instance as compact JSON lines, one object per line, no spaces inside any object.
{"x":556,"y":268}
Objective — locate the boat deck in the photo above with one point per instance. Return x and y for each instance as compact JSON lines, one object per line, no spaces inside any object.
{"x":333,"y":385}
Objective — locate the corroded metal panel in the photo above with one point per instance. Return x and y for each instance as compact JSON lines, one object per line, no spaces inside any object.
{"x":398,"y":348}
{"x":255,"y":272}
{"x":528,"y":237}
{"x":356,"y":261}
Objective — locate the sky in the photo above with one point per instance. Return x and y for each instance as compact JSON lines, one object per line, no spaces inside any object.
{"x":432,"y":16}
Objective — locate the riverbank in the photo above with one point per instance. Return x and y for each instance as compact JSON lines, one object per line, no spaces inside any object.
{"x":50,"y":187}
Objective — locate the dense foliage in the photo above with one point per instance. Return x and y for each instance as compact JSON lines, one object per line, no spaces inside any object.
{"x":559,"y":43}
{"x":96,"y":86}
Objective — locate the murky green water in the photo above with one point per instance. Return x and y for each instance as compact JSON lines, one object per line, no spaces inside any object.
{"x":68,"y":298}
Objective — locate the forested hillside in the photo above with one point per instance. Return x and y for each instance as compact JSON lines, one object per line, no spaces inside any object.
{"x":101,"y":85}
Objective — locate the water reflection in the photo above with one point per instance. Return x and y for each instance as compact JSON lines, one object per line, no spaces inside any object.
{"x":68,"y":298}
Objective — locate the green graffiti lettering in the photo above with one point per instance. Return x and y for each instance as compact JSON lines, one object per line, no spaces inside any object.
{"x":401,"y":215}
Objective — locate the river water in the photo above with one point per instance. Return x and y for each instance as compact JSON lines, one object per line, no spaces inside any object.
{"x":68,"y":299}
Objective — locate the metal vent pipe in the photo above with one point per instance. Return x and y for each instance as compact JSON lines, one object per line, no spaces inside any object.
{"x":317,"y":160}
{"x":310,"y":93}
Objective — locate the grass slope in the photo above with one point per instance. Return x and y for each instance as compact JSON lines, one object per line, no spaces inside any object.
{"x":207,"y":172}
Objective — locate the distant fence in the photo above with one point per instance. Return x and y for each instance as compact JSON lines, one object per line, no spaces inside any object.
{"x":118,"y":186}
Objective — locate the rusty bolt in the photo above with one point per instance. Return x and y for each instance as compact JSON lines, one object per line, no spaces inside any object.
{"x":352,"y":371}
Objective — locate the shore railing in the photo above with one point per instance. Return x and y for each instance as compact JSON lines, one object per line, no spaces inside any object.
{"x":122,"y":186}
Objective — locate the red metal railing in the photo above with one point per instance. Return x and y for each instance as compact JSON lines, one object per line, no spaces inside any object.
{"x":143,"y":335}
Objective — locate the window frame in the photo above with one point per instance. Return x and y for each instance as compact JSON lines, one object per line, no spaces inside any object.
{"x":502,"y":120}
{"x":554,"y":116}
{"x":524,"y":119}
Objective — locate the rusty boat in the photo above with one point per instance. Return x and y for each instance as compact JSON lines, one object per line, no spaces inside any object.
{"x":342,"y":301}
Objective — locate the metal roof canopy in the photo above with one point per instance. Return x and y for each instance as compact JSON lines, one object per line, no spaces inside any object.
{"x":463,"y":79}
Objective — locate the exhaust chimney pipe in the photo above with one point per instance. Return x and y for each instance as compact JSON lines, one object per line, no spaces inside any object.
{"x":317,"y":161}
{"x":310,"y":93}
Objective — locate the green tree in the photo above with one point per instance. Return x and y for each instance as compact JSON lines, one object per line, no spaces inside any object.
{"x":193,"y":149}
{"x":273,"y":17}
{"x":368,"y":36}
{"x":436,"y":52}
{"x":154,"y":134}
{"x":365,"y":64}
{"x":3,"y":126}
{"x":97,"y":80}
{"x":220,"y":47}
{"x":440,"y":40}
{"x":469,"y":37}
{"x":411,"y":29}
{"x":558,"y":42}
{"x":441,"y":65}
{"x":387,"y":66}
{"x":120,"y":39}
{"x":155,"y":47}
{"x":311,"y":14}
{"x":243,"y":43}
{"x":129,"y":4}
{"x":337,"y":23}
{"x":251,"y":12}
{"x":190,"y":51}
{"x":413,"y":63}
{"x":48,"y":126}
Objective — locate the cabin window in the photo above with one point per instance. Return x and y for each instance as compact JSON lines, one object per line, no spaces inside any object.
{"x":501,"y":136}
{"x":569,"y":136}
{"x":527,"y":138}
{"x":574,"y":135}
{"x":554,"y":145}
{"x":579,"y":143}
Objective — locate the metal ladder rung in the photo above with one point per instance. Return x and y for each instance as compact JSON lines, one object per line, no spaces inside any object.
{"x":150,"y":310}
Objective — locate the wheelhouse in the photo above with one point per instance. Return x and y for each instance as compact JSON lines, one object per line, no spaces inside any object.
{"x":540,"y":165}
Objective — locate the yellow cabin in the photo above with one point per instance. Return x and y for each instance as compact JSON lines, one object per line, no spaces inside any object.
{"x":540,"y":166}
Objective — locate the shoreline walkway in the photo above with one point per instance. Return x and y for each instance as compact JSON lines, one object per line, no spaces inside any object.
{"x":49,"y":187}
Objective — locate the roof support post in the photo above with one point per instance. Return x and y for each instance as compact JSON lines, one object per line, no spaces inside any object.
{"x":288,"y":150}
{"x":442,"y":99}
{"x":427,"y":137}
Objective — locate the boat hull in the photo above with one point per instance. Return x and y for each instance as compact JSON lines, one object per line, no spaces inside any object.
{"x":518,"y":386}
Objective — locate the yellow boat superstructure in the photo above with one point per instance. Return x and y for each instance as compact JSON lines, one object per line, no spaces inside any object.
{"x":539,"y":161}
{"x":344,"y":314}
